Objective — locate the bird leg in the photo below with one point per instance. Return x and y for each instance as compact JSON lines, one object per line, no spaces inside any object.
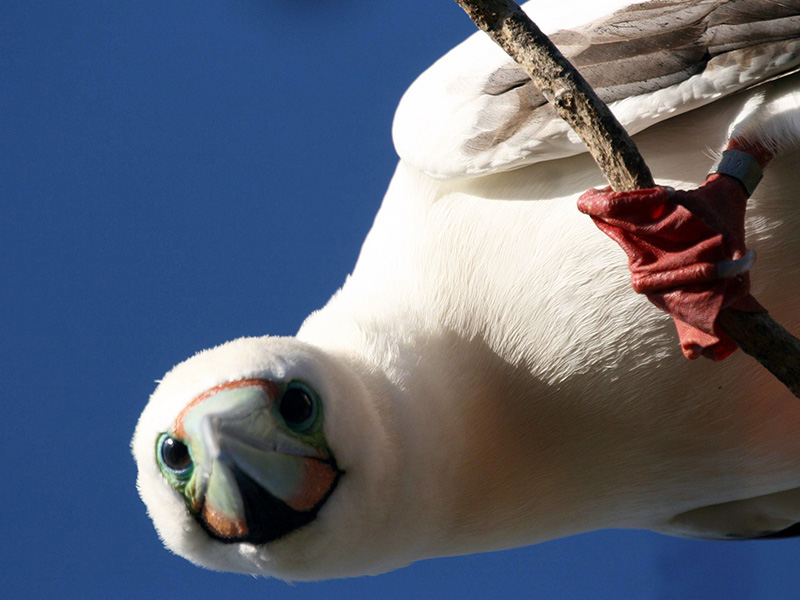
{"x":686,"y":249}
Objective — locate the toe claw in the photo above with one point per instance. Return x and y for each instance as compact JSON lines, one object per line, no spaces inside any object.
{"x":739,"y":266}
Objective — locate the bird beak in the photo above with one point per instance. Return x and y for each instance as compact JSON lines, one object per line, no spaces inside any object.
{"x":254,"y":479}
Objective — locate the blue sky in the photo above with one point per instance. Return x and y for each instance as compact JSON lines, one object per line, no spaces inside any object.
{"x":176,"y":174}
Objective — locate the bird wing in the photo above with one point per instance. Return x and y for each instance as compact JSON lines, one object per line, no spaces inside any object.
{"x":476,"y":111}
{"x":771,"y":516}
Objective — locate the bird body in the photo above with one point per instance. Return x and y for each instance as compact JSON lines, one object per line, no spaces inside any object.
{"x":487,"y":378}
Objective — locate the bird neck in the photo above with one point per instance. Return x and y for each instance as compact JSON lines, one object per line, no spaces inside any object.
{"x":487,"y":457}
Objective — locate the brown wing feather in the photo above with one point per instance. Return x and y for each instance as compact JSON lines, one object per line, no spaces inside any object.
{"x":651,"y":46}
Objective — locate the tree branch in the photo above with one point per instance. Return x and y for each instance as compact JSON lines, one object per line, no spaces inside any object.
{"x":618,"y":158}
{"x":565,"y":89}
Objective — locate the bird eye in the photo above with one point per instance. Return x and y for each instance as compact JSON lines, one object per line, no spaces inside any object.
{"x":297,"y":406}
{"x":175,"y":455}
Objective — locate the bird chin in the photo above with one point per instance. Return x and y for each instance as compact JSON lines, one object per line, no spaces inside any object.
{"x":264,"y":517}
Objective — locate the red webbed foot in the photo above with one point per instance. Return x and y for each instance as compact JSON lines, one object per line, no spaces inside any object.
{"x":686,"y":249}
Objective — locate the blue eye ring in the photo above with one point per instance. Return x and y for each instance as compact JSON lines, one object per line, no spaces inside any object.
{"x":174,"y":457}
{"x":299,"y":406}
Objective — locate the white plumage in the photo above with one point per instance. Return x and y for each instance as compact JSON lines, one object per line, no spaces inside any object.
{"x":487,"y":378}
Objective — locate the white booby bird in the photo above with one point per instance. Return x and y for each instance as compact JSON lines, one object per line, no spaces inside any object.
{"x":486,"y":378}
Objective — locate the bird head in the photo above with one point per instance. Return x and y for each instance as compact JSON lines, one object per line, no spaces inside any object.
{"x":244,"y":454}
{"x":250,"y":459}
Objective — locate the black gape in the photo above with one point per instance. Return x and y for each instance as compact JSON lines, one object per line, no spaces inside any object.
{"x":267,"y":517}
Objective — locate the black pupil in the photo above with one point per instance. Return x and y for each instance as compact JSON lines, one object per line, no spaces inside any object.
{"x":296,"y":406}
{"x":175,"y":454}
